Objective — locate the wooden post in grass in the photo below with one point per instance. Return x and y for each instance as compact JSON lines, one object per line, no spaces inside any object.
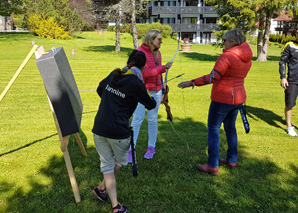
{"x":18,"y":72}
{"x":64,"y":144}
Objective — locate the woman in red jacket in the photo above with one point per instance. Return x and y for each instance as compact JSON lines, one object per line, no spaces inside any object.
{"x":227,"y":96}
{"x":152,"y":77}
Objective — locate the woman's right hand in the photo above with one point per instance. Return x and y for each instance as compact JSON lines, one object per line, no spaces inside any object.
{"x":284,"y":83}
{"x":184,"y":84}
{"x":169,"y":65}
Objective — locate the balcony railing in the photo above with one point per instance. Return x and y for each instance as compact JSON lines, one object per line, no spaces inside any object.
{"x":193,"y":27}
{"x":182,"y":10}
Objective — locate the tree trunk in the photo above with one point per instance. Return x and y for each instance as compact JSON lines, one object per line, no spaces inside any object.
{"x":134,"y":25}
{"x":5,"y":23}
{"x":118,"y":21}
{"x":264,"y":40}
{"x":263,"y":37}
{"x":262,"y":51}
{"x":260,"y":37}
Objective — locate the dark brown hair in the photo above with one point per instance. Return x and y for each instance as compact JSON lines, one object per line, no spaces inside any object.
{"x":136,"y":59}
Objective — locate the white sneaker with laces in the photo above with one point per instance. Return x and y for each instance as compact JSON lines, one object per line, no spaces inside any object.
{"x":291,"y":131}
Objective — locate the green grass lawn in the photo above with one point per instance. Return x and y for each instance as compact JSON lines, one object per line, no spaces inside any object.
{"x":33,"y":175}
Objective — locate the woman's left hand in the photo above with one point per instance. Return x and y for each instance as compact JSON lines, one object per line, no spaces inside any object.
{"x":184,"y":84}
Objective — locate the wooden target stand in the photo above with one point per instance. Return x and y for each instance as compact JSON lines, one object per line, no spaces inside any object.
{"x":64,"y":144}
{"x":39,"y":51}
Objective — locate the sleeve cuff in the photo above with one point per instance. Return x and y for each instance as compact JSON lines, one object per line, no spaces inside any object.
{"x":192,"y":83}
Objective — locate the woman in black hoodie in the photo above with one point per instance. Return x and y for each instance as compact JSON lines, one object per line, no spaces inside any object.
{"x":120,"y":93}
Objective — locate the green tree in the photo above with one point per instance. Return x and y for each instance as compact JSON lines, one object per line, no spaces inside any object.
{"x":114,"y":13}
{"x":9,"y":7}
{"x":247,"y":15}
{"x":125,"y":11}
{"x":85,"y":11}
{"x":265,"y":10}
{"x":233,"y":14}
{"x":292,"y":7}
{"x":59,"y":9}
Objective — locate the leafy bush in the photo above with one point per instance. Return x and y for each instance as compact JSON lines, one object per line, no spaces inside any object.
{"x":61,"y":10}
{"x":18,"y":20}
{"x":165,"y":30}
{"x":48,"y":28}
{"x":126,"y":28}
{"x":282,"y":39}
{"x":111,"y":28}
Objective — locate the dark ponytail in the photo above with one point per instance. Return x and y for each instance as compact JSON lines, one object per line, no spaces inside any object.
{"x":136,"y":59}
{"x":117,"y":72}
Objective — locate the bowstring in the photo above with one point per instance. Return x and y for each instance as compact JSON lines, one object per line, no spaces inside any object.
{"x":171,"y":123}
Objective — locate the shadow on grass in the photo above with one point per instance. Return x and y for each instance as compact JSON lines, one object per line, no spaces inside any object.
{"x":273,"y":58}
{"x":269,"y":58}
{"x":200,"y":57}
{"x":169,"y":182}
{"x":15,"y":35}
{"x":27,"y":145}
{"x":268,"y":116}
{"x":107,"y":48}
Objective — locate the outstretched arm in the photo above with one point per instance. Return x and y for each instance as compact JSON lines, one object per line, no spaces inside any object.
{"x":222,"y":63}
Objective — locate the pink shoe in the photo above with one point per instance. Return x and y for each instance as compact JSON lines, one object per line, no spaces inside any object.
{"x":129,"y":157}
{"x":208,"y":169}
{"x":150,"y":152}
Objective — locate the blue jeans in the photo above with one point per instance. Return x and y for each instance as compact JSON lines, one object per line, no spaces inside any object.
{"x":227,"y":114}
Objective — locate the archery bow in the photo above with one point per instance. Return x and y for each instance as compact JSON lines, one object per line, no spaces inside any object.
{"x":167,"y":72}
{"x":165,"y":99}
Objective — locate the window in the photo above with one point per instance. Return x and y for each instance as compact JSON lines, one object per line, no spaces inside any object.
{"x":191,"y":3}
{"x":191,"y":20}
{"x":210,"y":20}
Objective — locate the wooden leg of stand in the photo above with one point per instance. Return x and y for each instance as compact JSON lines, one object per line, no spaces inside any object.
{"x":70,"y":171}
{"x":81,"y":145}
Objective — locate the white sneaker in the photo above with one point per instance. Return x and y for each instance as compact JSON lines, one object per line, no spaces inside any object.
{"x":291,"y":131}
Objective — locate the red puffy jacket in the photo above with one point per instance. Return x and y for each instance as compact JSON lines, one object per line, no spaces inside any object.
{"x":228,"y":75}
{"x":152,"y":73}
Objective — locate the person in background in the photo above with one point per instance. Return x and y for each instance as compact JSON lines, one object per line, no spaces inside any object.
{"x":152,"y":77}
{"x":289,"y":55}
{"x":120,"y":93}
{"x":227,"y":96}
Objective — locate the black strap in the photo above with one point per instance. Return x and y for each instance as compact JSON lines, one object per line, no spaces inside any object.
{"x":134,"y":163}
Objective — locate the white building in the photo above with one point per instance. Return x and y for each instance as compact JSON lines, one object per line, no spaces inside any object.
{"x":193,"y":20}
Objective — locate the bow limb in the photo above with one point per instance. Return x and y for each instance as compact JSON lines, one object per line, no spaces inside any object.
{"x":165,"y":99}
{"x":166,"y":77}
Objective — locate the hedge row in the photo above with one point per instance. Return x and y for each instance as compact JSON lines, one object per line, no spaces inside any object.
{"x":282,"y":39}
{"x":142,"y":29}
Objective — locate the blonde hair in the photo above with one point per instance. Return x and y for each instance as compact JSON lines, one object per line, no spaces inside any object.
{"x":150,"y":36}
{"x":236,"y":36}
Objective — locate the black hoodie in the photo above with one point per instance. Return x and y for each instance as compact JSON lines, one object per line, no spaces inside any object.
{"x":119,"y":99}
